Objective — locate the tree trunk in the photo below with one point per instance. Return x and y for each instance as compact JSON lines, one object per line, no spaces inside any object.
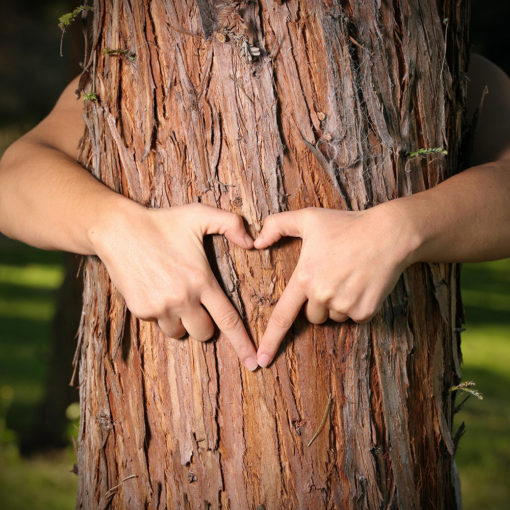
{"x":328,"y":115}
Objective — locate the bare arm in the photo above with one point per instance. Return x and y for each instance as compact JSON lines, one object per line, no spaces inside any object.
{"x":46,"y":198}
{"x":155,"y":257}
{"x":349,"y":262}
{"x":467,"y":217}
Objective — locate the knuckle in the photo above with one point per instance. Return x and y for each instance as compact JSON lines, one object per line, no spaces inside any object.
{"x":303,"y":278}
{"x":338,"y":317}
{"x":341,"y":305}
{"x":366,"y":310}
{"x":269,"y":221}
{"x":139,"y":311}
{"x":308,"y":214}
{"x":175,"y":332}
{"x":172,"y":330}
{"x":340,"y":312}
{"x":322,"y":293}
{"x":143,"y":309}
{"x":317,"y":320}
{"x":196,"y":213}
{"x":361,"y":315}
{"x":229,"y":320}
{"x":237,"y":221}
{"x":198,"y":278}
{"x":357,"y":317}
{"x":336,"y":309}
{"x":178,"y":297}
{"x":203,"y":336}
{"x":202,"y":331}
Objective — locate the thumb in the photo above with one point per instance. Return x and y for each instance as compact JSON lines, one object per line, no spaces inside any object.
{"x":218,"y":221}
{"x":278,"y":225}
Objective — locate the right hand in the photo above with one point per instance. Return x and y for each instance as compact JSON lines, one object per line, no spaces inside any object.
{"x":156,"y":259}
{"x":349,"y":262}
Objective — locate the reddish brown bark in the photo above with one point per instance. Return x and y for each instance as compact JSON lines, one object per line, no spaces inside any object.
{"x":326,"y":116}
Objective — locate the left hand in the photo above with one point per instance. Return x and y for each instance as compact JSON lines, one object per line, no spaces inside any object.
{"x":349,"y":263}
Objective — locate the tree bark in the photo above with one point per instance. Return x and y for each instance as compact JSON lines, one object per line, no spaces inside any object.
{"x":327,"y":115}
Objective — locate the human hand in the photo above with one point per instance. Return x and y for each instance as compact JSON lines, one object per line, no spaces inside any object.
{"x":156,"y":259}
{"x":349,"y":262}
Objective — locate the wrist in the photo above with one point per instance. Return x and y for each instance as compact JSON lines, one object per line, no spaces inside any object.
{"x":111,"y":220}
{"x":399,"y":216}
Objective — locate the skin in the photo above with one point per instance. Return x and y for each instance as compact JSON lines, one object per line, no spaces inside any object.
{"x":156,"y":258}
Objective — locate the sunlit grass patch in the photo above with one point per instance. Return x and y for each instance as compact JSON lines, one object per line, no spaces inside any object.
{"x":39,"y":483}
{"x":35,"y":308}
{"x":487,"y":347}
{"x":483,"y":456}
{"x":32,"y":275}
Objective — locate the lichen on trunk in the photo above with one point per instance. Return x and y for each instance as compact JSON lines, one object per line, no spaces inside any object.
{"x":264,"y":107}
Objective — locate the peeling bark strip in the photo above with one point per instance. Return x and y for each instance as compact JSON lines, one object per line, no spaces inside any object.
{"x":327,"y":115}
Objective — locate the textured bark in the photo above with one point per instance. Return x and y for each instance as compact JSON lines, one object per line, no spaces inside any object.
{"x":326,"y":116}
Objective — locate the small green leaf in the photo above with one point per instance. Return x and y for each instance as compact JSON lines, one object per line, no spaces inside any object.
{"x":467,"y":386}
{"x":89,"y":96}
{"x":66,"y":19}
{"x":430,"y":150}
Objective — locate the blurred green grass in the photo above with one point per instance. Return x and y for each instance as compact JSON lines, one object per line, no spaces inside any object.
{"x":28,"y":282}
{"x":29,"y":279}
{"x":42,"y":482}
{"x":483,"y":456}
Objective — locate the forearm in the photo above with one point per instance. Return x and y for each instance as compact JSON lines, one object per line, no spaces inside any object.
{"x":464,"y":219}
{"x":49,"y":201}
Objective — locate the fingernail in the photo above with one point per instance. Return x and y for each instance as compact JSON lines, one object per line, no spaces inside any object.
{"x":263,"y":360}
{"x":248,"y":240}
{"x":251,"y":364}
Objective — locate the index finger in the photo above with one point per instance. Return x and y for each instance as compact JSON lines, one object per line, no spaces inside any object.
{"x":230,"y":324}
{"x":282,"y":318}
